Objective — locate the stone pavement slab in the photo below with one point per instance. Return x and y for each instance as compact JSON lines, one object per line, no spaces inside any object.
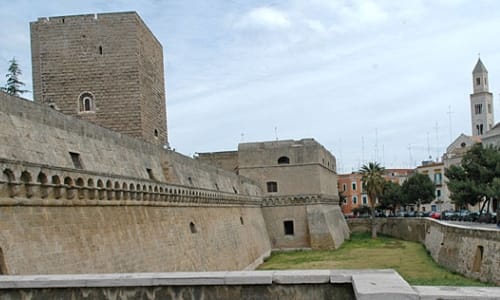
{"x":382,"y":286}
{"x":457,"y":293}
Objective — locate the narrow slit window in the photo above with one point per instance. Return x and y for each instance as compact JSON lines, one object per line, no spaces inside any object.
{"x":193,"y":228}
{"x":150,"y":174}
{"x":75,"y":158}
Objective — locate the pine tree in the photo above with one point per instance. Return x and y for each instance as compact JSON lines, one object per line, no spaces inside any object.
{"x":14,"y":85}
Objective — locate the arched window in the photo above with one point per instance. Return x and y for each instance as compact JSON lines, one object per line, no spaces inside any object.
{"x":86,"y":102}
{"x":284,"y":160}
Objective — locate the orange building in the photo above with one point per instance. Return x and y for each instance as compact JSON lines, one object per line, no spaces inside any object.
{"x":351,"y":186}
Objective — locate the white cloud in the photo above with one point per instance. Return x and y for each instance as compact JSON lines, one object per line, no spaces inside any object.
{"x":264,"y":17}
{"x":316,"y":26}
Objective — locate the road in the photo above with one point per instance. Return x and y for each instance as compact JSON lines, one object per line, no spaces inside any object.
{"x":473,"y":224}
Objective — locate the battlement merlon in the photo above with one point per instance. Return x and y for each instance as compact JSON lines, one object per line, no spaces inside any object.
{"x":74,"y":19}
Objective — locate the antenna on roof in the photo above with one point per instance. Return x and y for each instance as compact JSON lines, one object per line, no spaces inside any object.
{"x":449,"y":119}
{"x":276,"y":132}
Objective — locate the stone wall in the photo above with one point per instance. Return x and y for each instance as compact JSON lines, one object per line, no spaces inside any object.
{"x":317,"y":222}
{"x":473,"y":252}
{"x":114,"y":58}
{"x":35,"y":133}
{"x":88,"y":223}
{"x":130,"y":207}
{"x":227,"y":160}
{"x":262,"y":285}
{"x":308,"y":168}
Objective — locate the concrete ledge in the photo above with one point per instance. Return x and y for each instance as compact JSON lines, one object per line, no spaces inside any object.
{"x":366,"y":284}
{"x":249,"y":278}
{"x":345,"y":275}
{"x":458,"y":293}
{"x":382,"y":285}
{"x":301,"y":276}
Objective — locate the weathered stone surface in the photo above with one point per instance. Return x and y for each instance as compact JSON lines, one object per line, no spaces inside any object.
{"x":473,"y":252}
{"x":188,"y":285}
{"x":301,"y":276}
{"x":457,"y":293}
{"x":104,"y":239}
{"x":382,"y":286}
{"x":115,"y":58}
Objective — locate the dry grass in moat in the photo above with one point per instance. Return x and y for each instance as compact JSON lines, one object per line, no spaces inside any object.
{"x":410,"y":259}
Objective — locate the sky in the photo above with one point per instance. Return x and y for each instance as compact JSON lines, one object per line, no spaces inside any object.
{"x":386,"y":81}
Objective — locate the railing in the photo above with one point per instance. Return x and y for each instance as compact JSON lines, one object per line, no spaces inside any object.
{"x":24,"y":183}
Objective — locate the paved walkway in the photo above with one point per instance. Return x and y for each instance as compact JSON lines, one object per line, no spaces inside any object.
{"x":474,"y":224}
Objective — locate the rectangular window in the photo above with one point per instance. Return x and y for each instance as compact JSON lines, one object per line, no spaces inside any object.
{"x":438,"y":178}
{"x":354,"y":200}
{"x":365,"y":200}
{"x":354,"y":186}
{"x":272,"y":187}
{"x":75,"y":158}
{"x":489,"y":108}
{"x":478,"y":80}
{"x":288,"y":226}
{"x":438,"y":193}
{"x":344,"y":187}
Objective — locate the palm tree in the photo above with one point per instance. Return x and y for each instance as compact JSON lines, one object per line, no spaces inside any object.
{"x":373,"y":184}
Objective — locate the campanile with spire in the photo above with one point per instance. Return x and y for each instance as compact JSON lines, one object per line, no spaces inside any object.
{"x":481,"y":101}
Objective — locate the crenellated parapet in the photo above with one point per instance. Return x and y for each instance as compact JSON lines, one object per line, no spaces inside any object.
{"x":25,"y":183}
{"x":288,"y":200}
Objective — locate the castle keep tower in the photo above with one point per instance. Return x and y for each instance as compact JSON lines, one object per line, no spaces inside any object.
{"x":481,"y":101}
{"x":104,"y":68}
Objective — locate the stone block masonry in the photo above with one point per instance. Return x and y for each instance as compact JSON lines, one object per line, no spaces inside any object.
{"x":113,"y":61}
{"x":125,"y":225}
{"x":473,"y":252}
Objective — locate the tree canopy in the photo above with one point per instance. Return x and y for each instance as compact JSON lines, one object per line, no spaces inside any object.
{"x":14,"y":84}
{"x":391,"y":197}
{"x":418,"y":189}
{"x":477,"y":178}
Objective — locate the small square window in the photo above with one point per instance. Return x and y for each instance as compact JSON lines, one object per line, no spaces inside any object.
{"x":288,"y":226}
{"x":272,"y":187}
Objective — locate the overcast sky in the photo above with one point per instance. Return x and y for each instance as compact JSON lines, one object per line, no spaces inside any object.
{"x":370,"y":80}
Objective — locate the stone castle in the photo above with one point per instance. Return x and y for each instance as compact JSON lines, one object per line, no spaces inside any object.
{"x":89,"y":185}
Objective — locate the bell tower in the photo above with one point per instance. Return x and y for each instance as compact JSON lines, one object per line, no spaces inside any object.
{"x":481,"y":101}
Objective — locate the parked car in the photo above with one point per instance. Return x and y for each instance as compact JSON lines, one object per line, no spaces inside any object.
{"x":461,"y":215}
{"x":400,"y":214}
{"x":472,"y":217}
{"x":493,"y":218}
{"x":410,"y":214}
{"x":448,"y":215}
{"x":487,"y":218}
{"x":435,"y":215}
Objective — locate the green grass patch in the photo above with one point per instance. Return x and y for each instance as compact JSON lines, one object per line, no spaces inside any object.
{"x":410,"y":259}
